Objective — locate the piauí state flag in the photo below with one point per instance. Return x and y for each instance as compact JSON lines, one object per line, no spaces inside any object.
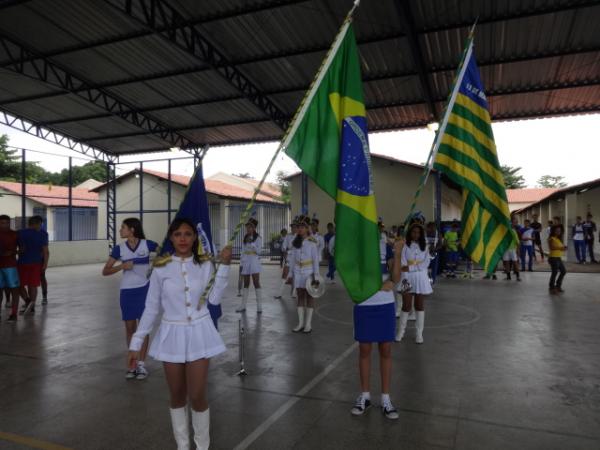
{"x":195,"y":208}
{"x":328,"y":140}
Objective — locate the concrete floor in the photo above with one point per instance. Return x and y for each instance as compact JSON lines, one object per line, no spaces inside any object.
{"x":504,"y":366}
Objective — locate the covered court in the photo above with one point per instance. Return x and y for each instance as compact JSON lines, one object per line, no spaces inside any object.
{"x":504,"y":366}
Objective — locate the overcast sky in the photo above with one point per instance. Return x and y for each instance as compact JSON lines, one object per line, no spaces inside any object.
{"x":566,"y":146}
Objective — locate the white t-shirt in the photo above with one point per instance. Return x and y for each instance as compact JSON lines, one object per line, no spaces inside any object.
{"x":140,"y":257}
{"x":578,"y":234}
{"x":379,"y":298}
{"x":527,"y":233}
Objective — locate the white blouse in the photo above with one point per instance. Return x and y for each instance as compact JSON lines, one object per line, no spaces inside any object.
{"x":176,"y":289}
{"x":305,"y":259}
{"x":252,"y":248}
{"x":416,"y":259}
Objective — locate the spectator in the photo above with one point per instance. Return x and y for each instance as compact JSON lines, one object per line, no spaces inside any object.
{"x":527,"y":249}
{"x":578,"y":236}
{"x":328,"y":253}
{"x":557,"y":249}
{"x":589,"y":227}
{"x":9,"y":276}
{"x":510,"y":258}
{"x":537,"y":236}
{"x":279,"y":244}
{"x":451,"y":245}
{"x":434,"y":244}
{"x":33,"y":261}
{"x":556,"y":220}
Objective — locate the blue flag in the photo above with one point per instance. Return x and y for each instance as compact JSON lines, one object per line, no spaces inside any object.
{"x":195,"y":208}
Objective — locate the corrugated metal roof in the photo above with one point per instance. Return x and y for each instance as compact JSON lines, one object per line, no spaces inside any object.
{"x":537,"y":58}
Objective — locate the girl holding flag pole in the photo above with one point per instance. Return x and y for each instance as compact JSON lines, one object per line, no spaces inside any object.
{"x":250,"y":264}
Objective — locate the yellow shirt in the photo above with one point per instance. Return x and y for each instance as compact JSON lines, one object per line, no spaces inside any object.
{"x":556,"y":242}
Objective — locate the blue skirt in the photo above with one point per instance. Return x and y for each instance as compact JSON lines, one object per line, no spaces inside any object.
{"x":375,"y":323}
{"x":133,"y":302}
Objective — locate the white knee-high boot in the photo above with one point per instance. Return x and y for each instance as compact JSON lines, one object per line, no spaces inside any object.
{"x":412,"y":315}
{"x":300,"y":325}
{"x":420,"y":325}
{"x":398,"y":304}
{"x":181,"y":429}
{"x":281,"y":289}
{"x":258,"y":300}
{"x":242,"y":306}
{"x":402,"y":325}
{"x":201,"y":424}
{"x":308,"y":320}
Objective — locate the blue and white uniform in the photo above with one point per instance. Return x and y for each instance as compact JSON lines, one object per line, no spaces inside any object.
{"x":375,"y":318}
{"x":186,"y":332}
{"x":320,"y":241}
{"x":304,"y":262}
{"x":417,"y":261}
{"x":249,"y":259}
{"x":134,"y":284}
{"x":386,"y":253}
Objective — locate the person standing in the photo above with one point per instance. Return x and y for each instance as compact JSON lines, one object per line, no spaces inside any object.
{"x":186,"y":338}
{"x":527,"y":249}
{"x":286,"y":248}
{"x":578,"y":236}
{"x":557,"y":250}
{"x":9,"y":275}
{"x":589,"y":227}
{"x":510,"y":258}
{"x":134,"y":254}
{"x":537,"y":236}
{"x":314,"y":231}
{"x":304,"y":264}
{"x":330,"y":259}
{"x":433,"y":241}
{"x":451,"y":246}
{"x":33,"y":261}
{"x":414,"y":264}
{"x":250,"y":264}
{"x":375,"y":322}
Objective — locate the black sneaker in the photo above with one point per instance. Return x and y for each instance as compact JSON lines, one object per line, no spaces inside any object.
{"x":44,"y":301}
{"x":360,"y":406}
{"x":12,"y":318}
{"x":494,"y":277}
{"x":390,"y":412}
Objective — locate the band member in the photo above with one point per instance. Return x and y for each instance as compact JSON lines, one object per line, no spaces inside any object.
{"x":286,"y":248}
{"x":319,"y":239}
{"x":186,"y":338}
{"x":415,"y":262}
{"x":250,"y":264}
{"x":304,"y":263}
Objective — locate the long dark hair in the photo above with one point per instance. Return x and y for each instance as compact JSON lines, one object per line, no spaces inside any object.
{"x":135,"y":224}
{"x":250,"y":237}
{"x":184,"y":221}
{"x":421,"y":242}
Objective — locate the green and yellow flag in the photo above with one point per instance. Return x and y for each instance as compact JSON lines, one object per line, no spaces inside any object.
{"x":328,"y":140}
{"x":466,"y":153}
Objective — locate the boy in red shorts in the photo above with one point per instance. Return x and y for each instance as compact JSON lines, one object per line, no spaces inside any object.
{"x":9,"y":277}
{"x":33,"y":260}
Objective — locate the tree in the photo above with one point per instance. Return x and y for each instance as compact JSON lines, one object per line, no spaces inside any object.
{"x":512,"y":178}
{"x":284,"y":187}
{"x":551,"y":181}
{"x":242,"y":175}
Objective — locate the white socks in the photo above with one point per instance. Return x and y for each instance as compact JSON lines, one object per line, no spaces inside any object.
{"x":300,"y":319}
{"x":308,"y":320}
{"x":402,"y":325}
{"x":242,"y":306}
{"x":181,"y":430}
{"x":420,"y":325}
{"x":258,"y":300}
{"x":201,"y":424}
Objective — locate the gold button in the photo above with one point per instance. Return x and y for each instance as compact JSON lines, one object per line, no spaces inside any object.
{"x":188,"y":304}
{"x":187,"y":288}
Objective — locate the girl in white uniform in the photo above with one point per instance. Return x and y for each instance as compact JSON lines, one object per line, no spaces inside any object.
{"x":415,"y":262}
{"x":286,"y":248}
{"x":250,"y":264}
{"x":134,"y":254}
{"x":304,"y":263}
{"x":186,"y":338}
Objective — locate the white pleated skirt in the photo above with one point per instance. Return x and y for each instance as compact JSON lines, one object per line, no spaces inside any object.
{"x":178,"y":342}
{"x":419,"y":282}
{"x":300,"y":278}
{"x":250,"y":264}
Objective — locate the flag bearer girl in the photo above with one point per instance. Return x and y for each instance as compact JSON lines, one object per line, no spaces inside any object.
{"x":304,"y":263}
{"x":415,"y":263}
{"x":186,"y":338}
{"x":134,"y":254}
{"x":250,"y":264}
{"x":286,"y":249}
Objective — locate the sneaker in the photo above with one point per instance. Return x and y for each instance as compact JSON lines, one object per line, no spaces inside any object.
{"x":130,"y":375}
{"x":44,"y":301}
{"x":8,"y":304}
{"x":12,"y":318}
{"x":494,"y":277}
{"x":24,"y":308}
{"x":141,"y":373}
{"x":390,"y":412}
{"x":360,"y":406}
{"x":519,"y":279}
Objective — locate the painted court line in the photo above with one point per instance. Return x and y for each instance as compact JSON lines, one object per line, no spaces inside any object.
{"x":295,"y":399}
{"x":30,"y":442}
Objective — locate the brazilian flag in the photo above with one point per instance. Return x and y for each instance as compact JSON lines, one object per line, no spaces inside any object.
{"x":328,"y":140}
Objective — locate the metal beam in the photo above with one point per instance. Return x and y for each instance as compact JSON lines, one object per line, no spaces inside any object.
{"x":63,"y":140}
{"x":155,"y":14}
{"x":43,"y":70}
{"x":407,"y":21}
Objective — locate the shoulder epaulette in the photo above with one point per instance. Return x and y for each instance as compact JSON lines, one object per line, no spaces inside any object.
{"x":162,"y":260}
{"x":312,"y":239}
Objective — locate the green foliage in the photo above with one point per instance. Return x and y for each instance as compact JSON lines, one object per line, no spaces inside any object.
{"x":10,"y":169}
{"x":512,"y":178}
{"x":284,"y":186}
{"x":551,"y":181}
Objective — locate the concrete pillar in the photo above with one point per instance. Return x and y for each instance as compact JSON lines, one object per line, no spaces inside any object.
{"x":570,"y":205}
{"x":224,"y":228}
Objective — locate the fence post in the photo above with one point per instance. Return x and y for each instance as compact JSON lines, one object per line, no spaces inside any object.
{"x":168,"y":194}
{"x":141,"y":192}
{"x":23,"y":190}
{"x":70,"y":198}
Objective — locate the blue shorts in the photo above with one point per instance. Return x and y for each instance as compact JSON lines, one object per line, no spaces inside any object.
{"x":133,"y":302}
{"x":9,"y":278}
{"x":375,"y":323}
